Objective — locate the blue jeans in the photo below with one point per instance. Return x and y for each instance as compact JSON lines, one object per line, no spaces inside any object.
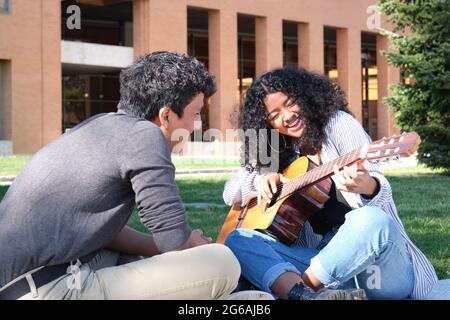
{"x":368,"y":245}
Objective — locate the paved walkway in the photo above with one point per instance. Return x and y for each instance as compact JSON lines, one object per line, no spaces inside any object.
{"x":6,"y":180}
{"x":189,"y":172}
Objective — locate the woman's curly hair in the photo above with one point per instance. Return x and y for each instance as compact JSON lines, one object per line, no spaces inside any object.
{"x":318,"y":97}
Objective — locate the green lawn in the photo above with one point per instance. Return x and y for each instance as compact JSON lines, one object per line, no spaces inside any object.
{"x":182,"y":163}
{"x":423,"y":202}
{"x":11,"y":165}
{"x":421,"y":195}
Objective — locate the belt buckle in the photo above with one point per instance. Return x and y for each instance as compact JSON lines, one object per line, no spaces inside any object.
{"x":74,"y":282}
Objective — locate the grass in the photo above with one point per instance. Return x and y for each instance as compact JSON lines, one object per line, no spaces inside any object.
{"x":182,"y":163}
{"x":11,"y":165}
{"x":421,"y":195}
{"x":3,"y":190}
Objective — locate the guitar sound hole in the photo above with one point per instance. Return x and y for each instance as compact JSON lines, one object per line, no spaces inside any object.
{"x":274,"y":199}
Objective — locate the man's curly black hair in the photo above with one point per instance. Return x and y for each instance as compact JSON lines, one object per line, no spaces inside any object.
{"x":318,"y":97}
{"x":162,"y":79}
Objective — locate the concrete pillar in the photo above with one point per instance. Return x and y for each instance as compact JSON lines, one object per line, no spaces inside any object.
{"x":310,"y":46}
{"x":51,"y":71}
{"x":36,"y":75}
{"x":159,"y":25}
{"x":386,"y":75}
{"x":348,"y":44}
{"x":223,"y":64}
{"x":268,"y":43}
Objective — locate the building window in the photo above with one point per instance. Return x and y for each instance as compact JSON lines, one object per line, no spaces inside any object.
{"x":369,"y":73}
{"x":108,"y":24}
{"x":290,"y":44}
{"x":85,"y":95}
{"x":5,"y":6}
{"x":198,"y":47}
{"x":330,"y":53}
{"x":2,"y":89}
{"x":5,"y":100}
{"x":246,"y":54}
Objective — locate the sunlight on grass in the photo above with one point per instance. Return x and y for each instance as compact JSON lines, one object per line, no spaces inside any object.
{"x":412,"y":171}
{"x":183,"y":163}
{"x":11,"y":165}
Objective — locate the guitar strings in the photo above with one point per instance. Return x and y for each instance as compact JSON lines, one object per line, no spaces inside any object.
{"x":315,"y":171}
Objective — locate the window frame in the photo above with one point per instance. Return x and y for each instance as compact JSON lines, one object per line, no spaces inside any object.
{"x":5,"y":7}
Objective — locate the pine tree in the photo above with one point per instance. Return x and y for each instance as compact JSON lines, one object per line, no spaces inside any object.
{"x":421,"y":102}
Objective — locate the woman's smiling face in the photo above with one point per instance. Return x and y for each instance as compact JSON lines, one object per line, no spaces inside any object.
{"x":283,"y":114}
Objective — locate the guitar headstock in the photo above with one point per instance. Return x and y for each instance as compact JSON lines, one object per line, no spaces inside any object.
{"x":403,"y":145}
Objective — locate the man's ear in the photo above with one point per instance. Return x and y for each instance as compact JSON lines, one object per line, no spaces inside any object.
{"x":164,"y":116}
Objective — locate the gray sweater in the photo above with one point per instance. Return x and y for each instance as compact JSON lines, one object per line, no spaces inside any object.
{"x":79,"y":191}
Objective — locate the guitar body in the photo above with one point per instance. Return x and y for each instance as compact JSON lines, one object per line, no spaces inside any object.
{"x":285,"y":217}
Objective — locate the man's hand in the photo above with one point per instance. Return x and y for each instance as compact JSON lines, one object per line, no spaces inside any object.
{"x":195,"y":239}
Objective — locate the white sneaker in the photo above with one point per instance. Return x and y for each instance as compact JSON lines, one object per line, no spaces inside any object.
{"x":250,"y":295}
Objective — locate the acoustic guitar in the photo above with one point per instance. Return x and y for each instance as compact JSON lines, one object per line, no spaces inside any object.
{"x":307,"y":190}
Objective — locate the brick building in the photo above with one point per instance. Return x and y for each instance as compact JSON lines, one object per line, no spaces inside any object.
{"x":54,"y":74}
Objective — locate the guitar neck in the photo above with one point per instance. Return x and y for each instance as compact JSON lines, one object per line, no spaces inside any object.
{"x":403,"y":145}
{"x":315,"y":175}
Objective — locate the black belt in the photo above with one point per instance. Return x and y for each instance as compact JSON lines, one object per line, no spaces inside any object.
{"x":40,"y":278}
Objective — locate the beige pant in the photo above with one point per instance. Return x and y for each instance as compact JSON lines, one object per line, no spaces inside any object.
{"x":204,"y":272}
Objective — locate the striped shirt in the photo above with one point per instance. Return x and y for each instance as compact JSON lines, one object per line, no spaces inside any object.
{"x":344,"y":134}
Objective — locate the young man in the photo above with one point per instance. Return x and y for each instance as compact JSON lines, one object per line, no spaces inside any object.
{"x":63,"y":232}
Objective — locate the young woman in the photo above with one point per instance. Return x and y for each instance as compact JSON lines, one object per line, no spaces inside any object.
{"x":358,"y":239}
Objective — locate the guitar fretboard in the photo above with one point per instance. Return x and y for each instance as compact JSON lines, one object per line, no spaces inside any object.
{"x":319,"y":173}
